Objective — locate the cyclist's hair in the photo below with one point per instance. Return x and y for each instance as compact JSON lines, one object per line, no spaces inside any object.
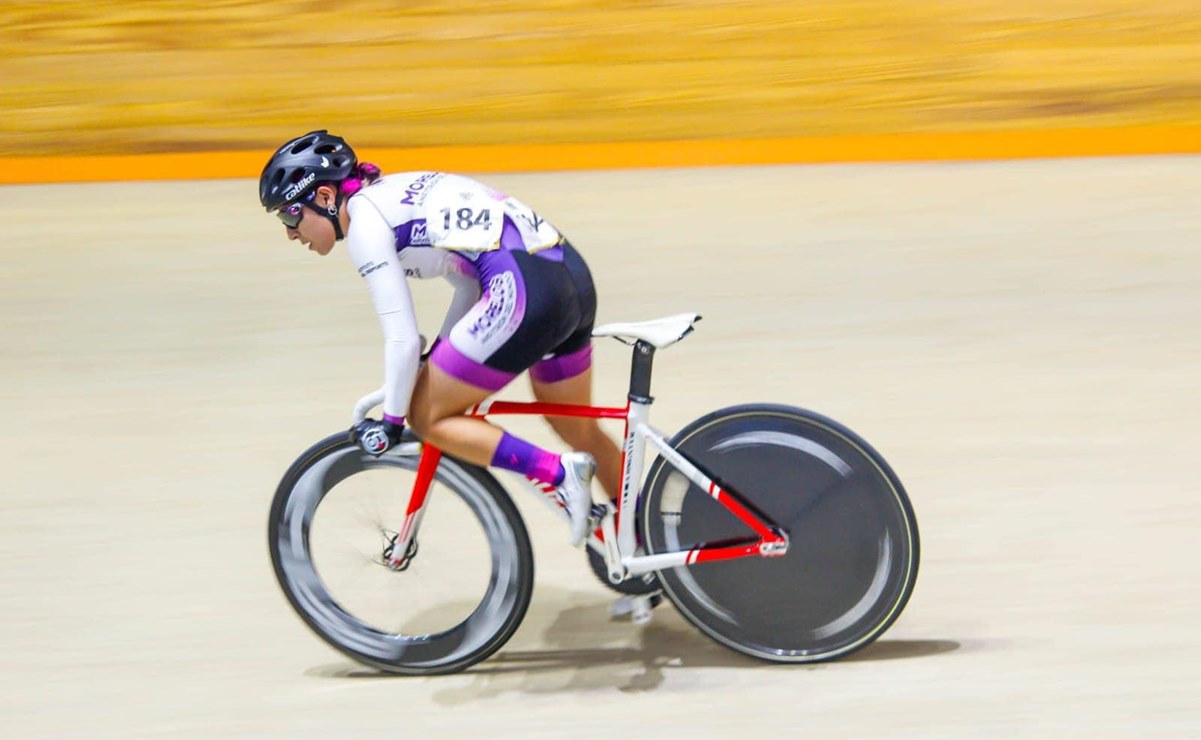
{"x":364,"y":173}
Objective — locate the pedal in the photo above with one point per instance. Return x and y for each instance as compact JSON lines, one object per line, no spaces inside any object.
{"x":597,"y":513}
{"x":638,"y":608}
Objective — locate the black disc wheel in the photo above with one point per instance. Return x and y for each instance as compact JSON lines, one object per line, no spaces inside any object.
{"x":853,"y":541}
{"x":458,"y":594}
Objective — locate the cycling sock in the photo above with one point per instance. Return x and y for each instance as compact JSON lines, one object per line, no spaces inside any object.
{"x":533,"y":462}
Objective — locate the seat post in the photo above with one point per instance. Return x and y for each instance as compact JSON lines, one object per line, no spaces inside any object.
{"x":640,"y":372}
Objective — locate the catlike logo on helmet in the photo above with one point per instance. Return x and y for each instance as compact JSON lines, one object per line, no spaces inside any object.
{"x":299,"y":187}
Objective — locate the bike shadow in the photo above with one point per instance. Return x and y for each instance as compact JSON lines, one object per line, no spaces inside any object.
{"x":568,"y":642}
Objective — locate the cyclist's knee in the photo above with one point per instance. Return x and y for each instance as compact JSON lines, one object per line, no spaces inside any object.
{"x":421,"y":418}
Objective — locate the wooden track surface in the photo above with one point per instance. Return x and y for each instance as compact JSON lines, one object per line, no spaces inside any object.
{"x":1020,"y":340}
{"x":84,"y":77}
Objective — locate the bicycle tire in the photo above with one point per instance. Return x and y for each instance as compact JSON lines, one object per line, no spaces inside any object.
{"x":854,"y":548}
{"x":494,"y":619}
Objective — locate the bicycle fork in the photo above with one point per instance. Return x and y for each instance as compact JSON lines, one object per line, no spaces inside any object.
{"x":427,"y":465}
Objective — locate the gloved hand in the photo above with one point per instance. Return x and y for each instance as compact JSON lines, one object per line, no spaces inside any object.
{"x":377,"y":437}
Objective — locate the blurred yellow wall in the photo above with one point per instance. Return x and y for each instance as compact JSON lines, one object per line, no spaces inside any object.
{"x":106,"y":77}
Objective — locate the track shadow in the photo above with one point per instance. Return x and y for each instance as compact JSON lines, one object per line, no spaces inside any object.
{"x":885,"y":649}
{"x":568,"y":642}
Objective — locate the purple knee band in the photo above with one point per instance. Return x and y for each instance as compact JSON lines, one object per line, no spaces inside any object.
{"x":458,"y":365}
{"x":562,"y":368}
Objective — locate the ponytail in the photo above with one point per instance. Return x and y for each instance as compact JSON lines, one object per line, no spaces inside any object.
{"x":364,"y":173}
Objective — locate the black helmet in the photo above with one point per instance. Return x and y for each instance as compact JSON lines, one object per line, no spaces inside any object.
{"x":303,"y":163}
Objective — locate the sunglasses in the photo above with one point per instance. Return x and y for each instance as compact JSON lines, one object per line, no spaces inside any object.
{"x":291,"y":214}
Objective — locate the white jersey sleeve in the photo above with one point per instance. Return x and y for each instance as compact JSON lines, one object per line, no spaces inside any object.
{"x":371,"y":244}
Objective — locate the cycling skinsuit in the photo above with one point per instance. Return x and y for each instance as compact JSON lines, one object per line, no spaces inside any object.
{"x":523,"y":297}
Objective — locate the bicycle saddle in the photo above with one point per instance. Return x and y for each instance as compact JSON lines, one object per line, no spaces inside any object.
{"x":659,"y":333}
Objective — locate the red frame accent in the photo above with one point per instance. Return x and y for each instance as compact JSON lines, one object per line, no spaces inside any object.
{"x":711,"y":554}
{"x":430,"y":456}
{"x":519,"y":408}
{"x":726,"y":499}
{"x":427,"y":465}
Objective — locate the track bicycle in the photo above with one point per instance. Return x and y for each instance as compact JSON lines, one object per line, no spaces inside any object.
{"x":776,"y":531}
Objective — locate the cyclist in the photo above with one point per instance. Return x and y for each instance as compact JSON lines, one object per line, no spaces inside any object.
{"x":523,"y":300}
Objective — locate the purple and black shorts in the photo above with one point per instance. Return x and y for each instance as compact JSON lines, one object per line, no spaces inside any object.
{"x":535,"y":313}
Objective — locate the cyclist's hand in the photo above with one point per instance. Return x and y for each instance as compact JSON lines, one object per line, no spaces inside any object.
{"x":377,"y":437}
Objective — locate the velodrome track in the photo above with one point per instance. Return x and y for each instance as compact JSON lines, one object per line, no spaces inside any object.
{"x":1021,"y":340}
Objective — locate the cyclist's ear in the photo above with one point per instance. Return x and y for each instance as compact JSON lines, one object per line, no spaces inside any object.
{"x":325,"y":196}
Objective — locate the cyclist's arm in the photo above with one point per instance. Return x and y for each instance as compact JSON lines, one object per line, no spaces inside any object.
{"x":372,"y":248}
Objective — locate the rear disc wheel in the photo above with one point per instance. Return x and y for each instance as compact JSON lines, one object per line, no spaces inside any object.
{"x":853,"y":540}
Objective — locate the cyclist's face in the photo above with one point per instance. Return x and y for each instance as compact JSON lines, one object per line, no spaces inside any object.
{"x":314,"y":230}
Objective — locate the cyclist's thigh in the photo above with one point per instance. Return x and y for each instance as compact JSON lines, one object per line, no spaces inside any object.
{"x":438,"y":395}
{"x":575,"y":389}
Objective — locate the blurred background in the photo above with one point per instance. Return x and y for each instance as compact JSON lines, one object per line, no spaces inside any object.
{"x":1020,"y":339}
{"x":99,"y":77}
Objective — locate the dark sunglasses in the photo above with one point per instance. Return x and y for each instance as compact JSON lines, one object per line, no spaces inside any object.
{"x":291,"y":214}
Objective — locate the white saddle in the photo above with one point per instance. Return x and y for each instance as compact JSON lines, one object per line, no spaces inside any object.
{"x":659,"y":333}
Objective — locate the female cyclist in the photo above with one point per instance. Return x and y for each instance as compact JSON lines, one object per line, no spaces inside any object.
{"x":523,"y":300}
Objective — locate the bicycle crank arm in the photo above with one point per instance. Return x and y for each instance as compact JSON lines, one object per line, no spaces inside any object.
{"x":617,"y":571}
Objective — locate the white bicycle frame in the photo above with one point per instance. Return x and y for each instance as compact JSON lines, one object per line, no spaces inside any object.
{"x":616,"y":536}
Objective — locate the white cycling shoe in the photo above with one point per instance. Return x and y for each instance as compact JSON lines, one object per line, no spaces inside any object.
{"x":575,"y":492}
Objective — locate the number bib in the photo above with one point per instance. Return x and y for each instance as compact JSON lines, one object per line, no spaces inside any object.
{"x":464,"y":215}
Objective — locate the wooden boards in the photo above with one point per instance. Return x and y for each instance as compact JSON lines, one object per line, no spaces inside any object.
{"x":86,"y":78}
